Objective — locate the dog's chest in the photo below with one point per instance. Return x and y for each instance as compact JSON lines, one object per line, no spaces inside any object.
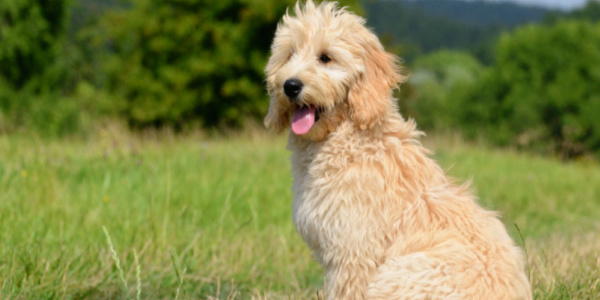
{"x":329,"y":199}
{"x":318,"y":212}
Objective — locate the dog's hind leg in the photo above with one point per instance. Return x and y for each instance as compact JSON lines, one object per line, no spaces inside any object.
{"x":413,"y":276}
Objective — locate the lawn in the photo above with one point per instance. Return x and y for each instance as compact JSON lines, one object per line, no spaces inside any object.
{"x":161,"y":216}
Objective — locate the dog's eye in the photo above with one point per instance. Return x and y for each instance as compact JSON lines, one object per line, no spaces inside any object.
{"x":325,"y":58}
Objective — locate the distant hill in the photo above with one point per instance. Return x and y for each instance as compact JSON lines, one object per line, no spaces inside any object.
{"x":421,"y":26}
{"x":413,"y":27}
{"x":481,"y":13}
{"x":590,"y":12}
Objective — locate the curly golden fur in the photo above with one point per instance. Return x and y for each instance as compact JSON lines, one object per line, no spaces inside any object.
{"x":381,"y":216}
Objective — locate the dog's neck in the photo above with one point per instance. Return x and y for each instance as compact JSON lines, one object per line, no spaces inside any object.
{"x":393,"y":127}
{"x":397,"y":139}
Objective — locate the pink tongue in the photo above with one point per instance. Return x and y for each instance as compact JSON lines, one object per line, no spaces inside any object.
{"x":303,"y":119}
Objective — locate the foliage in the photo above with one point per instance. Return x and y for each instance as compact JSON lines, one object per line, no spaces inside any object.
{"x":48,"y":113}
{"x":35,"y":62}
{"x":31,"y":32}
{"x":172,"y":62}
{"x":439,"y":80}
{"x":542,"y":93}
{"x":150,"y":62}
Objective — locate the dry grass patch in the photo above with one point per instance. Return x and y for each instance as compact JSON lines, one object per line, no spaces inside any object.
{"x":565,"y":267}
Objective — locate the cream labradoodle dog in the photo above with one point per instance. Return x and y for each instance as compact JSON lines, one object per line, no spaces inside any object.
{"x":381,"y":216}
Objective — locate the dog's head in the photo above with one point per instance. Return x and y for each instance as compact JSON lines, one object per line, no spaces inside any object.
{"x":326,"y":67}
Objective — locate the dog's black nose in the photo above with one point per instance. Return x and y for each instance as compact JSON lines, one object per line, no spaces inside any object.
{"x":292,"y":87}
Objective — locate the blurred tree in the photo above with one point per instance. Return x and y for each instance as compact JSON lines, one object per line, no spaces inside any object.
{"x":178,"y":61}
{"x":543,"y":92}
{"x":34,"y":66}
{"x":31,"y":34}
{"x":439,"y":79}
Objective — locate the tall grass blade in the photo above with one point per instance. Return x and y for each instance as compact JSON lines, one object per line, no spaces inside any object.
{"x":117,"y":261}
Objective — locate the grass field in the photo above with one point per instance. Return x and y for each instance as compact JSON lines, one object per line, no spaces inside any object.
{"x":197,"y":218}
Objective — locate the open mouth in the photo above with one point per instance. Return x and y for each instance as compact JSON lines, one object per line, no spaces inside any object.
{"x":304,"y":117}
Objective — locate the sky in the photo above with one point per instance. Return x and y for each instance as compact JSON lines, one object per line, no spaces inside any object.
{"x":558,"y":4}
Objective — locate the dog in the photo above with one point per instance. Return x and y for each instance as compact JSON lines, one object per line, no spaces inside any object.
{"x":381,"y":216}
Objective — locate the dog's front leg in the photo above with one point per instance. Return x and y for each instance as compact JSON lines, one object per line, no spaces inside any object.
{"x":349,"y":278}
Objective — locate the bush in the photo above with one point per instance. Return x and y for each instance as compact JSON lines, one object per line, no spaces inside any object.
{"x":437,"y":81}
{"x":542,"y":93}
{"x":31,"y":35}
{"x":50,"y":114}
{"x":175,"y":62}
{"x":34,"y":64}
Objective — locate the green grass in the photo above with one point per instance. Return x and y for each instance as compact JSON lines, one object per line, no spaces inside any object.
{"x":211,"y":218}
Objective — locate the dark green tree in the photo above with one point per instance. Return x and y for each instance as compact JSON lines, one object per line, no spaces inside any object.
{"x":543,"y":92}
{"x":31,"y":35}
{"x":34,"y":64}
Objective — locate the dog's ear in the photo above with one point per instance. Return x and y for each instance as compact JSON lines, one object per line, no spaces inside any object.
{"x":370,"y":98}
{"x":277,"y":118}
